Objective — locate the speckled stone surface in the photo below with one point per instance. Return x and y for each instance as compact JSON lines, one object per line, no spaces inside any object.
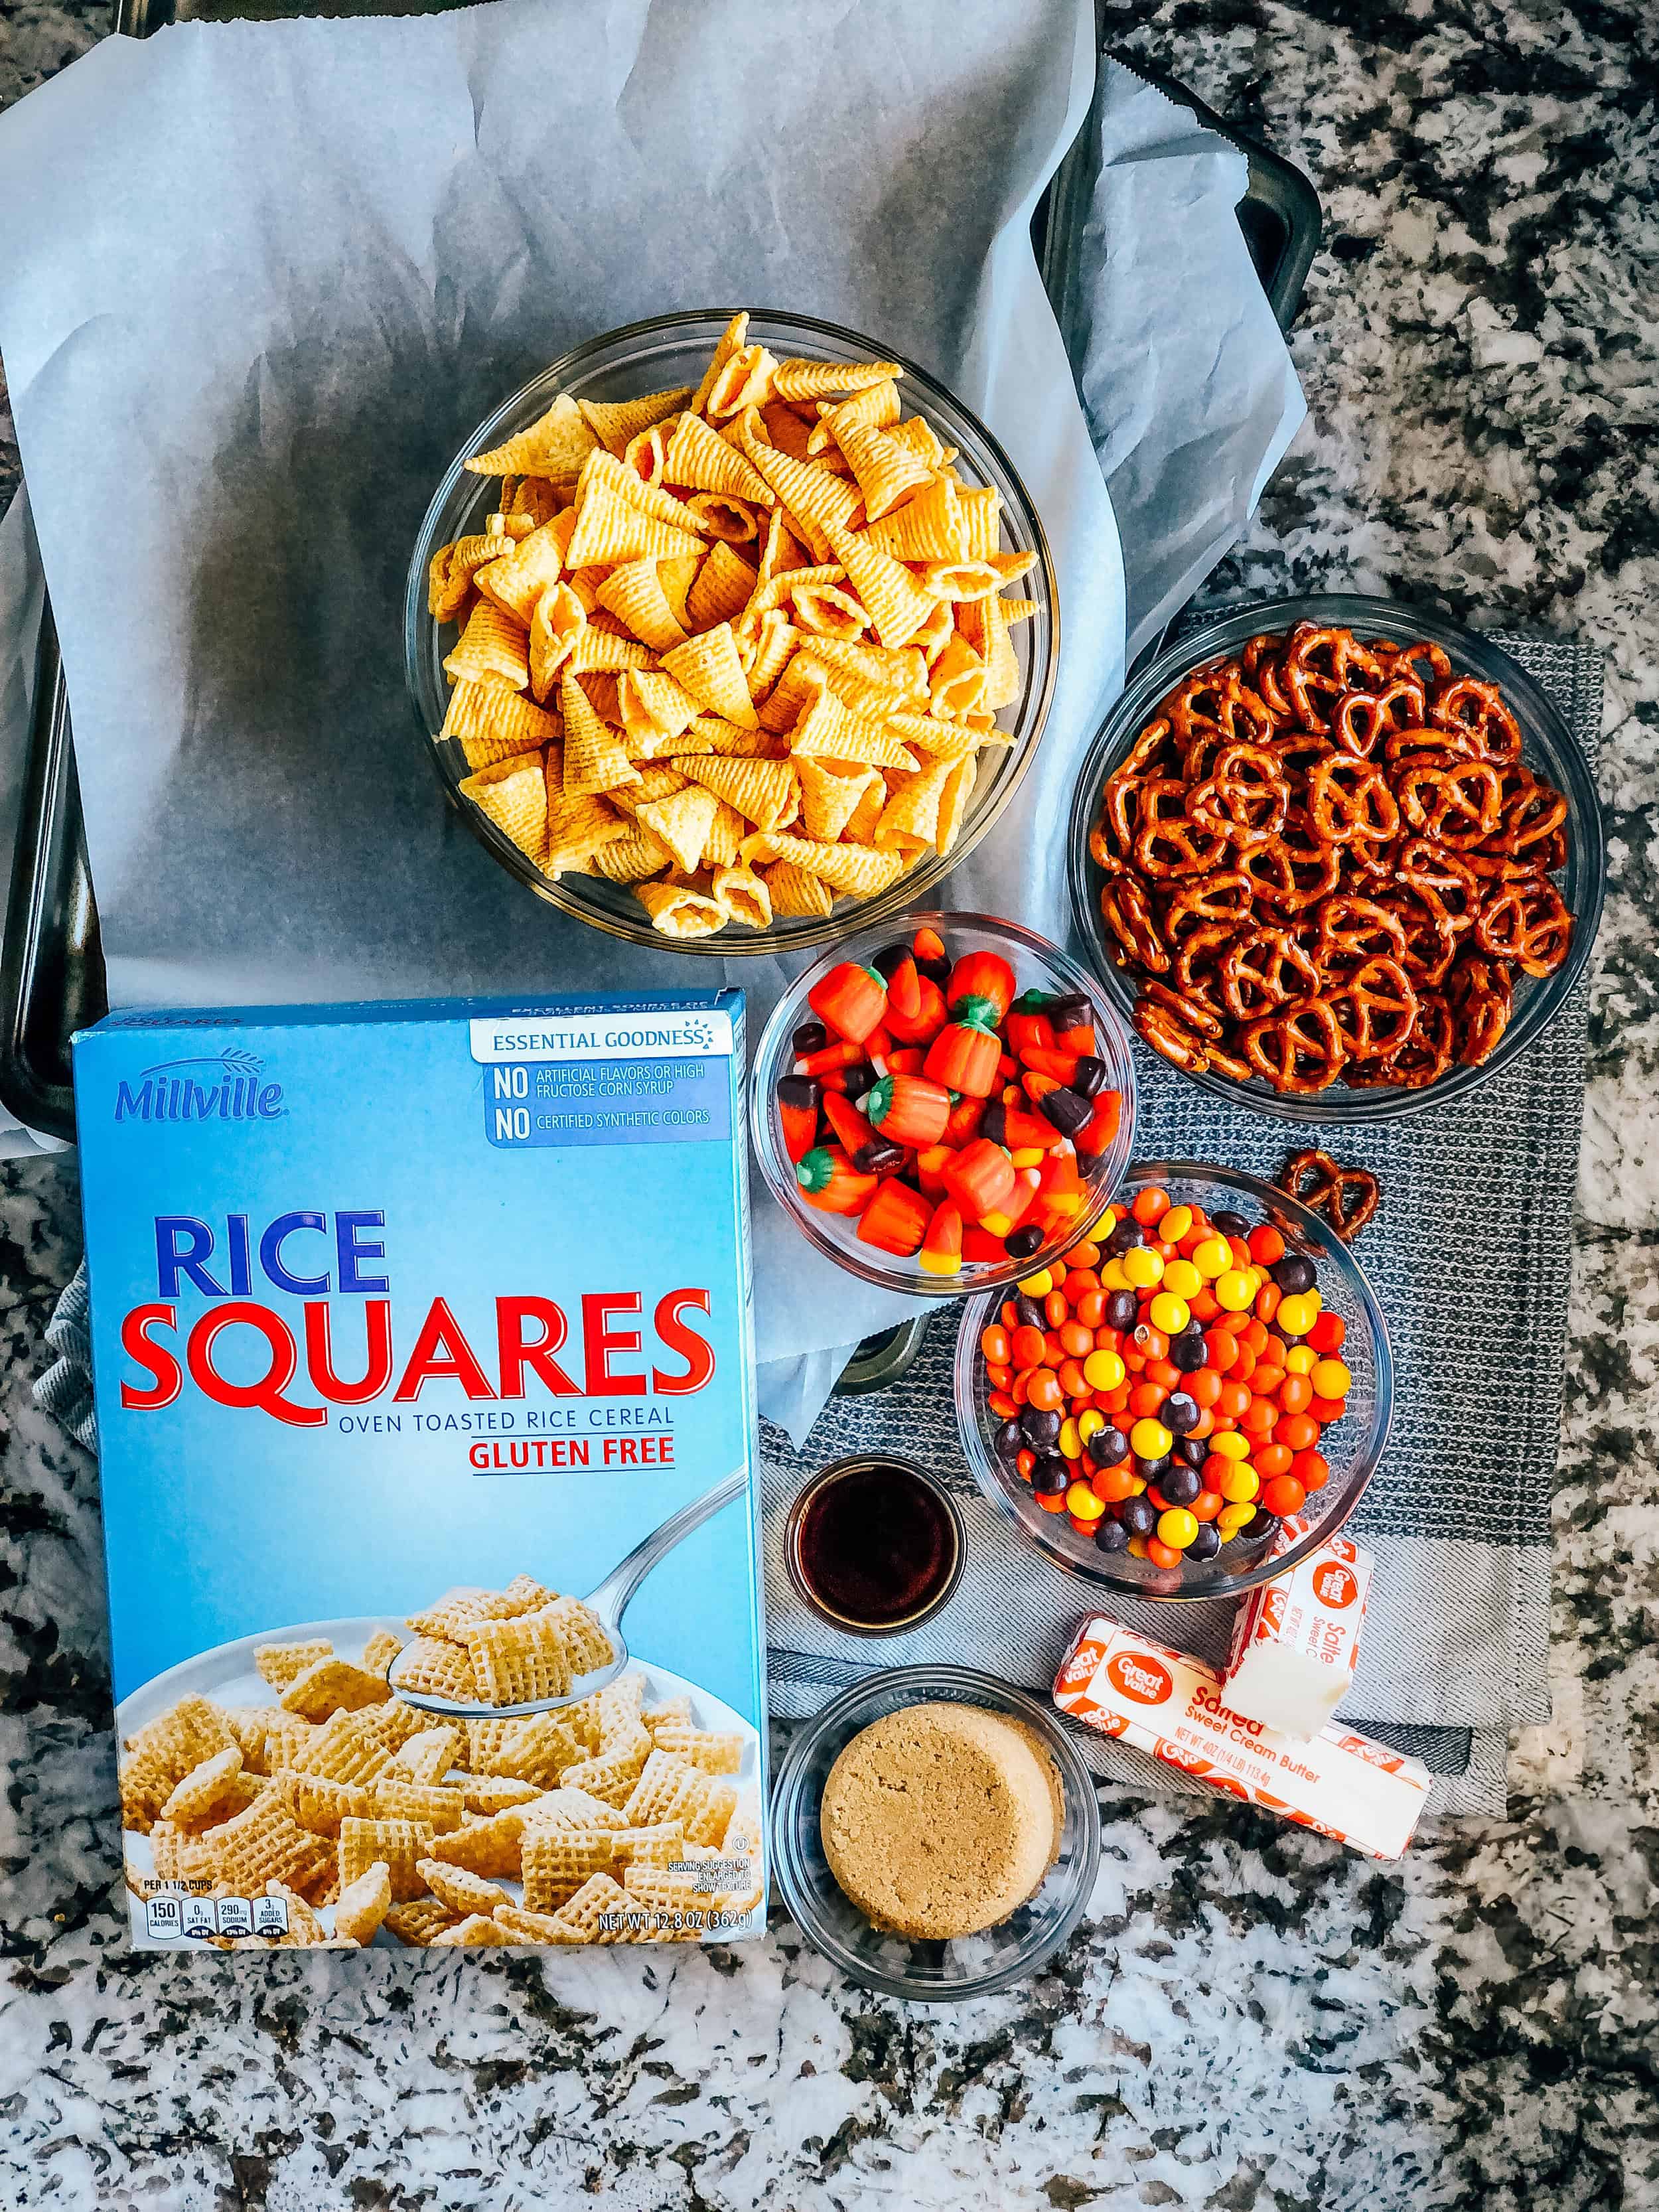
{"x":1251,"y":2017}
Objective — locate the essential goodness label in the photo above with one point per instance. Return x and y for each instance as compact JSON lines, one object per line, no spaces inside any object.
{"x":410,"y":1324}
{"x":1171,"y":1705}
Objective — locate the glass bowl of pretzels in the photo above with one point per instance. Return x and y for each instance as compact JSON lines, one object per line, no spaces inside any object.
{"x":1338,"y":857}
{"x":728,"y":630}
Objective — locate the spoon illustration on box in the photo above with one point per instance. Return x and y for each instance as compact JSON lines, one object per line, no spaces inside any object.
{"x":608,"y":1603}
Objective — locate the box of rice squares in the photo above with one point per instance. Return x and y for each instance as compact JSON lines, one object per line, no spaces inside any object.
{"x":424,"y":1381}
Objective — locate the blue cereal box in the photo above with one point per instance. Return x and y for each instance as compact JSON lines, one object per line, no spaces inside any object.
{"x":423,"y":1357}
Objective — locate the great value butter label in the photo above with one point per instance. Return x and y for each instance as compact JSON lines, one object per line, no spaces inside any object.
{"x":1174,"y":1706}
{"x":392,"y":1303}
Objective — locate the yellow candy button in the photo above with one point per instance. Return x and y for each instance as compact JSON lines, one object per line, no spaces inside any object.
{"x":1169,"y":1312}
{"x":1229,"y":1444}
{"x":1233,"y":1290}
{"x":1176,"y":1527}
{"x":1038,"y":1286}
{"x":1331,"y":1378}
{"x":1143,"y":1266}
{"x":1232,"y":1518}
{"x":1103,"y":1369}
{"x":1082,"y":1504}
{"x":1239,"y":1484}
{"x":1149,"y":1439}
{"x":1090,"y":1421}
{"x":1214,"y":1257}
{"x":1175,"y":1225}
{"x":1297,"y":1314}
{"x":1071,"y":1440}
{"x":1180,"y":1276}
{"x":1301,"y":1359}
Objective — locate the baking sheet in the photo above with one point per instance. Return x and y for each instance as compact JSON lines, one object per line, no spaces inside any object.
{"x":283,"y":338}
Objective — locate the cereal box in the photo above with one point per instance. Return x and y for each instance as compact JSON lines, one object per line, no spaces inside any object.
{"x":423,"y":1357}
{"x":1120,"y":1683}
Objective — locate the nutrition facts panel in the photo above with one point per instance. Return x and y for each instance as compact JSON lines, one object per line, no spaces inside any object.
{"x":172,"y":1915}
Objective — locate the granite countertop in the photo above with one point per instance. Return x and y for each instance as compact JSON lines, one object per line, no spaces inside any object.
{"x":1251,"y":2017}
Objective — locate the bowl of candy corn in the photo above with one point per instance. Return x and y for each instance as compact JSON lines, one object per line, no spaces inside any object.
{"x":944,"y":1103}
{"x":1207,"y":1372}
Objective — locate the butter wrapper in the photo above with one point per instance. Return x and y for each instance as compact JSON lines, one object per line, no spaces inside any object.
{"x":1171,"y":1705}
{"x":1296,"y":1639}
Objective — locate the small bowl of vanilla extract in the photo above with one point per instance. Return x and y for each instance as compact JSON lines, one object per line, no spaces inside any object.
{"x":875,"y":1545}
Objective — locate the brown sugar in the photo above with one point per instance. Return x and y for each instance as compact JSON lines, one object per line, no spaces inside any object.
{"x":941,"y":1819}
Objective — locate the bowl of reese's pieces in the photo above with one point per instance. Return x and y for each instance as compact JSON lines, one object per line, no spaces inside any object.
{"x":729,"y":630}
{"x":1337,"y":856}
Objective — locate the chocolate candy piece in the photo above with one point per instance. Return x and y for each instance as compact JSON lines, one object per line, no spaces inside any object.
{"x":1111,"y":1536}
{"x":937,"y":970}
{"x":810,"y":1036}
{"x":1073,"y":1011}
{"x":994,"y":1121}
{"x":1121,"y":1309}
{"x":1009,"y":1441}
{"x":1229,"y":1223}
{"x":801,"y":1090}
{"x":1192,"y":1452}
{"x":890,"y":959}
{"x":1154,"y":1470}
{"x":1180,"y":1485}
{"x":1188,"y":1352}
{"x":1021,"y":1243}
{"x":1207,"y":1543}
{"x":1090,"y":1076}
{"x":878,"y":1158}
{"x":1040,"y":1429}
{"x":1124,"y":1238}
{"x":1179,"y":1413}
{"x":1293,"y":1273}
{"x":1138,"y":1515}
{"x":1107,"y":1446}
{"x":1068,"y":1111}
{"x":1051,"y":1476}
{"x":1030,"y":1313}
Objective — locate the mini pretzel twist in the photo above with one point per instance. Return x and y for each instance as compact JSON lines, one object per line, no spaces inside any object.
{"x":1346,"y":1197}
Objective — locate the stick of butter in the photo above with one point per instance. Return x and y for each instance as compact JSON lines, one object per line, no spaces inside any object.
{"x":1119,"y":1682}
{"x":1296,"y":1639}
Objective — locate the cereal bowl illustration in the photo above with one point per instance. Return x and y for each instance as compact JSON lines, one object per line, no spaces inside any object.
{"x":280,"y":1791}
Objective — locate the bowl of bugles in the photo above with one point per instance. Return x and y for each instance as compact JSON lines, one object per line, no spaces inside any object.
{"x":729,"y":625}
{"x":1337,"y":856}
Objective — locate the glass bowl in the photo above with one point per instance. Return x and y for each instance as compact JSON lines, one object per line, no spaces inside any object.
{"x":927,"y":1972}
{"x":1353,"y":1446}
{"x":1548,"y":747}
{"x":659,"y":354}
{"x":1037,"y":964}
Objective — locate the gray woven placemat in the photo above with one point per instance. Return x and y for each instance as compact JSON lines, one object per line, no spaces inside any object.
{"x":1470,"y":1255}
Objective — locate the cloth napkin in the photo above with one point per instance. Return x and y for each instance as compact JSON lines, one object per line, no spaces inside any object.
{"x":1470,"y":1256}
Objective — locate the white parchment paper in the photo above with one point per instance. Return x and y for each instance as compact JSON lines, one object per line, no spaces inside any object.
{"x":235,"y":387}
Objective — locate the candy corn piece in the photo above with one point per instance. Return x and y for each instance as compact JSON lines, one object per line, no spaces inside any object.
{"x":1018,"y":1204}
{"x":941,"y":1248}
{"x":798,"y":1111}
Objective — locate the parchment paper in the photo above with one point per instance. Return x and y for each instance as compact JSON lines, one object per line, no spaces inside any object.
{"x":235,"y":388}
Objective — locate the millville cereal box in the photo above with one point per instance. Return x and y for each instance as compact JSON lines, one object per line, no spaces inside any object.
{"x":424,"y":1383}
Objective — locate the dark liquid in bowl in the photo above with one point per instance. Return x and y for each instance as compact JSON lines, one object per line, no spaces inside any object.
{"x":876,"y":1545}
